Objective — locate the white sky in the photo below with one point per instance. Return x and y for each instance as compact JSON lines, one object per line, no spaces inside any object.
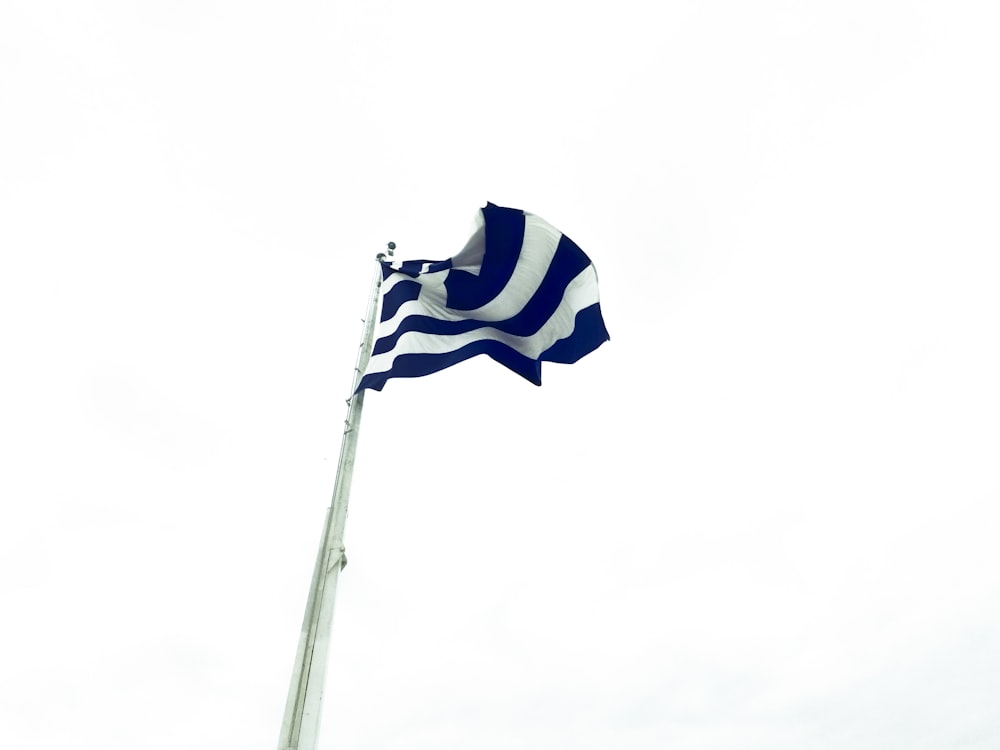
{"x":762,"y":517}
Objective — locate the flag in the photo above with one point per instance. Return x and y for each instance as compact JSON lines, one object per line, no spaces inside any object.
{"x":520,"y":292}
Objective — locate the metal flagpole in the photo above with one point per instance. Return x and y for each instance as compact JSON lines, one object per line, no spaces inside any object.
{"x":300,"y":726}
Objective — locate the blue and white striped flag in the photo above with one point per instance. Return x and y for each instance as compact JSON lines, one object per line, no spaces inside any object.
{"x":520,"y":292}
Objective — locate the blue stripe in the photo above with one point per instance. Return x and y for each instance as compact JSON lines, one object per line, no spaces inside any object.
{"x":589,"y":333}
{"x":403,"y":291}
{"x":504,"y":238}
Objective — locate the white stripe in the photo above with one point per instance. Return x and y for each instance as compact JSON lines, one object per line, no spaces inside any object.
{"x":579,"y":294}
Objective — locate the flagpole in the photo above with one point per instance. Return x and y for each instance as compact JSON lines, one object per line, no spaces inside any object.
{"x":300,"y":726}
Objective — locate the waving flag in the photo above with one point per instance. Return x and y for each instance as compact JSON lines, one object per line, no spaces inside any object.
{"x":520,"y":292}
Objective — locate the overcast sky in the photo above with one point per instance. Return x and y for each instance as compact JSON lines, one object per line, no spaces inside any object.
{"x":763,"y":516}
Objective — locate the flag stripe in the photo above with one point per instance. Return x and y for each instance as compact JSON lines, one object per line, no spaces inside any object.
{"x":470,"y":290}
{"x":406,"y":290}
